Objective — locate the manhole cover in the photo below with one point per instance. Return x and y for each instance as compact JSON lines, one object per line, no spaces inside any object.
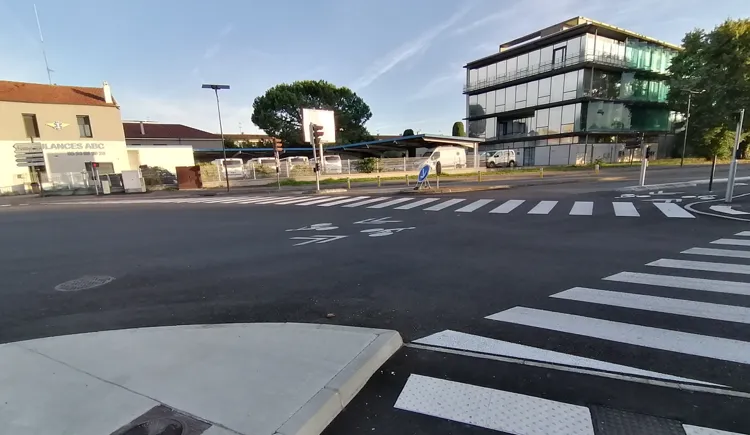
{"x":162,"y":426}
{"x":84,"y":283}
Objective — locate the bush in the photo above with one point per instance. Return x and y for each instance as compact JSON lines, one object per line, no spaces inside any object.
{"x":368,"y":165}
{"x":408,"y":132}
{"x":156,"y":175}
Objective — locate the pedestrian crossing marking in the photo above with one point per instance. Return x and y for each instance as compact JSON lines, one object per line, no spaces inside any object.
{"x":664,"y":339}
{"x":419,"y":203}
{"x":743,"y":234}
{"x":443,"y":205}
{"x":508,"y":206}
{"x":474,"y":206}
{"x":682,"y":307}
{"x":476,"y":343}
{"x":544,"y":207}
{"x":492,"y":409}
{"x":717,"y":252}
{"x":733,"y":242}
{"x":702,"y":265}
{"x":343,"y":201}
{"x":582,"y":208}
{"x":390,"y":203}
{"x":682,"y":282}
{"x":673,"y":210}
{"x":625,"y":209}
{"x":697,"y":430}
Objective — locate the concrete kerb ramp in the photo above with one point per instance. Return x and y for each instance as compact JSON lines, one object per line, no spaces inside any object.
{"x":264,"y":378}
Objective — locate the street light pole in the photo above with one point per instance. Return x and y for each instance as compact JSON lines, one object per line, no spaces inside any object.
{"x":221,"y":128}
{"x":687,"y":123}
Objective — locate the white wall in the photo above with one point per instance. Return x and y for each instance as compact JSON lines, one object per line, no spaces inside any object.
{"x":168,"y":157}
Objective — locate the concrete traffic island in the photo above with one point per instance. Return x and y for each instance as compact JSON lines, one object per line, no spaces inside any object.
{"x":260,"y":378}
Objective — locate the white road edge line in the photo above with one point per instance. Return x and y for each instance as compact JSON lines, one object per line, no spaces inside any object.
{"x":492,"y":409}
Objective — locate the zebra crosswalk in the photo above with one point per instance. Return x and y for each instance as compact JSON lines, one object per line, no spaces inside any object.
{"x":677,"y":292}
{"x":620,"y":209}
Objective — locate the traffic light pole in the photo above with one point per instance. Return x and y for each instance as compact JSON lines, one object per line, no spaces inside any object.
{"x":644,"y":162}
{"x":315,"y":158}
{"x":733,"y":166}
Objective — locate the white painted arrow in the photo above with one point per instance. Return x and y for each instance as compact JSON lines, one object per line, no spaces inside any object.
{"x":727,"y":209}
{"x":377,"y":221}
{"x":316,"y":239}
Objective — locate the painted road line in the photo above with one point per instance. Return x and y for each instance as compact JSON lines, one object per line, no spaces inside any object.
{"x":416,"y":204}
{"x":582,"y":208}
{"x":508,"y":206}
{"x":733,"y":242}
{"x":444,"y":205}
{"x":343,"y":201}
{"x":743,"y":234}
{"x":673,"y":210}
{"x":275,"y":199}
{"x":697,"y":430}
{"x":717,"y":252}
{"x":492,"y":409}
{"x":296,"y":200}
{"x":664,"y":339}
{"x":367,"y":201}
{"x":474,"y":206}
{"x":316,"y":201}
{"x":681,"y":307}
{"x":700,"y":284}
{"x":476,"y":343}
{"x":544,"y":207}
{"x":701,"y":265}
{"x":392,"y":202}
{"x":625,"y":209}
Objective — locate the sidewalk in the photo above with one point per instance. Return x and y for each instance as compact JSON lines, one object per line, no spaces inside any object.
{"x":247,"y":379}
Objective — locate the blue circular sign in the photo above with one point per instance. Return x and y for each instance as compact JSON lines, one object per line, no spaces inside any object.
{"x":423,"y":173}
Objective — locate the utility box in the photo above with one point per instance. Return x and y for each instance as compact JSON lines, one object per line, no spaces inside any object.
{"x":133,"y":182}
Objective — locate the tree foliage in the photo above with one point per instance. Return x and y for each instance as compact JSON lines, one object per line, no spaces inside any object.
{"x":278,"y":112}
{"x":458,"y":129}
{"x":716,"y":67}
{"x":717,"y":141}
{"x":408,"y":132}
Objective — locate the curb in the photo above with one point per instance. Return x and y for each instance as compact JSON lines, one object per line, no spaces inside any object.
{"x":691,"y":183}
{"x":453,"y":190}
{"x":314,"y":416}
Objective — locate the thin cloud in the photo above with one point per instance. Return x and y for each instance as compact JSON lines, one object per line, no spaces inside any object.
{"x":226,"y":30}
{"x":441,"y":85}
{"x":405,"y":51}
{"x":482,"y":21}
{"x":212,"y":51}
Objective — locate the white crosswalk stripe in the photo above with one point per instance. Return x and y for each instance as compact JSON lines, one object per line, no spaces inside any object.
{"x":444,"y":205}
{"x":544,"y":207}
{"x":682,"y":282}
{"x":476,"y":205}
{"x":733,"y":242}
{"x":701,"y":265}
{"x":717,"y":252}
{"x":582,"y":208}
{"x":626,"y":209}
{"x":479,"y":206}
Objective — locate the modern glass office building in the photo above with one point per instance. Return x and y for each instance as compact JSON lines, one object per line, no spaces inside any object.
{"x":572,"y":93}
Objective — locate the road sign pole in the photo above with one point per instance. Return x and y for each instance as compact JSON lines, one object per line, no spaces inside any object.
{"x":315,"y":158}
{"x":278,"y":169}
{"x":644,"y":162}
{"x":733,"y":166}
{"x":713,"y":171}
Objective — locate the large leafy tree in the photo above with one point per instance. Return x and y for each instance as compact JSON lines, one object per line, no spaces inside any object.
{"x":458,"y":129}
{"x":278,"y":112}
{"x":715,"y":66}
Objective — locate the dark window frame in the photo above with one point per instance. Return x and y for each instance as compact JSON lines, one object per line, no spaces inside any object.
{"x":34,"y":125}
{"x":83,"y":126}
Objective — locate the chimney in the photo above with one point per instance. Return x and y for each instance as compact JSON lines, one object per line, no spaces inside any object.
{"x":107,"y":93}
{"x":143,"y":129}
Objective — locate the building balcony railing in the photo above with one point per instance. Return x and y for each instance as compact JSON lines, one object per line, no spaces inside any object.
{"x":602,"y":59}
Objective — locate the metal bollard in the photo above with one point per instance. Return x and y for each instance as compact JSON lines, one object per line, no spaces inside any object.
{"x":437,"y":175}
{"x":348,"y":183}
{"x":479,"y":176}
{"x":541,"y":172}
{"x":378,"y":180}
{"x":596,"y":168}
{"x":407,"y":179}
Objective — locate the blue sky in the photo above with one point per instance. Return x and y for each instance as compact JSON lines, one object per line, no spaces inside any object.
{"x":404,"y":57}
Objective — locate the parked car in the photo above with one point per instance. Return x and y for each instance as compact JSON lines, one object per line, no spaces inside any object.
{"x":296,"y":161}
{"x":501,"y":158}
{"x":331,"y":164}
{"x":443,"y":157}
{"x":234,"y":167}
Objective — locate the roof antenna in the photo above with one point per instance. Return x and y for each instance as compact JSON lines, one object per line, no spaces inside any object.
{"x":41,"y":38}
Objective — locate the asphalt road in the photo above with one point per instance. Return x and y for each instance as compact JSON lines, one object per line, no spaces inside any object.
{"x":445,"y":270}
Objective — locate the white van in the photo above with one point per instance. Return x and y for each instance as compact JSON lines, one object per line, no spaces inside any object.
{"x":501,"y":158}
{"x":332,"y":164}
{"x":444,"y":157}
{"x":235,"y":167}
{"x":296,"y":161}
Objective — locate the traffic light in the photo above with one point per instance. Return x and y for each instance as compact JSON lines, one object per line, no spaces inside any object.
{"x":278,"y":146}
{"x":94,"y":164}
{"x":317,"y":133}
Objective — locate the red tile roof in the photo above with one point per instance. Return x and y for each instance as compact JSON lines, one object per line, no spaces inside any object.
{"x":155,"y":130}
{"x":20,"y":92}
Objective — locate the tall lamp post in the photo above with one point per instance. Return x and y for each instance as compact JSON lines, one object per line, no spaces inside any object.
{"x":687,"y":122}
{"x":221,"y":129}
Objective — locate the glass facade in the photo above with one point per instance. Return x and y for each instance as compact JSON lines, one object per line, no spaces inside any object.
{"x":625,"y":86}
{"x":554,"y":120}
{"x":609,"y":116}
{"x":553,"y":89}
{"x":630,"y":54}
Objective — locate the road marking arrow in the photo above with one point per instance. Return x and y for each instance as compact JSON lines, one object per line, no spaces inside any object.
{"x":726,"y":209}
{"x":377,"y":221}
{"x":317,"y":239}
